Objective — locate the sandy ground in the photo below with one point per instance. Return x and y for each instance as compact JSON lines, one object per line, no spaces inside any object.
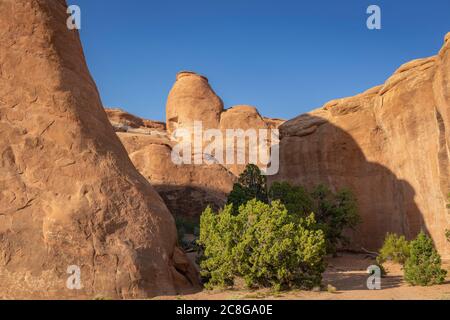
{"x":347,"y":273}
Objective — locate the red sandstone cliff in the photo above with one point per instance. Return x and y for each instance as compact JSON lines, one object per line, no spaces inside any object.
{"x":390,"y":145}
{"x":69,"y":194}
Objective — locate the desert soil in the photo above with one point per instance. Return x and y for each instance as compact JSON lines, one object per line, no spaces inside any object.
{"x":347,"y":273}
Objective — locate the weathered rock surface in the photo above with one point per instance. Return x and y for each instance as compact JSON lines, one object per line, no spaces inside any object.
{"x":187,"y":189}
{"x":123,"y":121}
{"x":69,"y":195}
{"x":192,"y":99}
{"x":243,"y":117}
{"x":390,"y":145}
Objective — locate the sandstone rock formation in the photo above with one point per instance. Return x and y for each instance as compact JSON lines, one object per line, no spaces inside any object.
{"x":123,"y":121}
{"x":187,"y":189}
{"x":244,"y":117}
{"x":69,"y":195}
{"x":390,"y":145}
{"x":192,"y":99}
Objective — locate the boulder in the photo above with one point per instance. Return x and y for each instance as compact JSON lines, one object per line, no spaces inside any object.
{"x":242,"y":117}
{"x":192,"y":99}
{"x":248,"y":119}
{"x":69,"y":194}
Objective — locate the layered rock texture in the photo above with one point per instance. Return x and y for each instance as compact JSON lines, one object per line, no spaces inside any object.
{"x":187,"y":189}
{"x":390,"y":145}
{"x":69,"y":194}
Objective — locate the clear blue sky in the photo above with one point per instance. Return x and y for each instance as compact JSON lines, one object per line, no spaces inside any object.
{"x":284,"y":57}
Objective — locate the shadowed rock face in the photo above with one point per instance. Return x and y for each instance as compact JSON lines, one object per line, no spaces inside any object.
{"x":69,"y":195}
{"x":390,"y":145}
{"x":187,"y":189}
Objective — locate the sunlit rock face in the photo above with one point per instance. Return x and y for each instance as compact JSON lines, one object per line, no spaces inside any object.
{"x":192,"y":99}
{"x":390,"y":145}
{"x":69,"y":194}
{"x":188,"y":188}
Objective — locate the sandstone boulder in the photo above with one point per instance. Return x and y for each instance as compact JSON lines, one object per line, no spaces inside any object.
{"x":390,"y":145}
{"x":242,"y":117}
{"x":247,"y":119}
{"x":69,"y":195}
{"x":192,"y":99}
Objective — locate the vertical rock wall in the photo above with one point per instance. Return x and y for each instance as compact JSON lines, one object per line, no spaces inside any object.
{"x":69,"y":195}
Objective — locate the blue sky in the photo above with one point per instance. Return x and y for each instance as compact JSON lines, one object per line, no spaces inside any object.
{"x":284,"y":57}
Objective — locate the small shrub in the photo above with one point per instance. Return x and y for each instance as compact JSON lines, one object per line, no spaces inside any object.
{"x":382,"y":269}
{"x":331,"y":289}
{"x":251,"y":185}
{"x":334,"y":212}
{"x":423,"y":267}
{"x":395,"y":248}
{"x":296,"y":199}
{"x":263,"y":244}
{"x":219,"y":235}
